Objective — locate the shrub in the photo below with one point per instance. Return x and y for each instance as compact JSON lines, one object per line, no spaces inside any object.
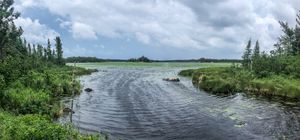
{"x":2,"y":82}
{"x":35,"y":127}
{"x":26,"y":100}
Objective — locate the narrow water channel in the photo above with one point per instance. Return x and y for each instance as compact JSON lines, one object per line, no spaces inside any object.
{"x":135,"y":103}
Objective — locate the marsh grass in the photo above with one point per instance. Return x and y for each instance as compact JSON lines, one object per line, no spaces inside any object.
{"x":226,"y":80}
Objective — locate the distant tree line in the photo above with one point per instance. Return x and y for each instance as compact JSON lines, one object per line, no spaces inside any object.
{"x":82,"y":59}
{"x":220,"y":60}
{"x":283,"y":59}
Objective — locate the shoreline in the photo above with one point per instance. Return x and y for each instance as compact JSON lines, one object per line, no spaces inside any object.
{"x":224,"y":80}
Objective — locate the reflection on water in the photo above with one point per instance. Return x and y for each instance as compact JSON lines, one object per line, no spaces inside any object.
{"x":134,"y":103}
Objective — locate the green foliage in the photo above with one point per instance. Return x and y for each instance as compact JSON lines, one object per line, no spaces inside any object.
{"x":8,"y":31}
{"x":284,"y":60}
{"x":25,"y":100}
{"x":59,"y":52}
{"x":31,"y":81}
{"x":35,"y":127}
{"x":2,"y":83}
{"x":247,"y":55}
{"x":216,"y":80}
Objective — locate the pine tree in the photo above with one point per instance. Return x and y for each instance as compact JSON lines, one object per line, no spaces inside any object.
{"x":59,"y":51}
{"x":45,"y":54}
{"x":54,"y":56}
{"x":296,"y":43}
{"x":7,"y":17}
{"x":34,"y":52}
{"x":256,"y":66}
{"x":25,"y":51}
{"x":286,"y":40}
{"x":247,"y":56}
{"x":40,"y":51}
{"x":49,"y":52}
{"x":29,"y":49}
{"x":256,"y":51}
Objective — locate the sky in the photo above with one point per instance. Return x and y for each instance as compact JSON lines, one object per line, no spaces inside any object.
{"x":158,"y":29}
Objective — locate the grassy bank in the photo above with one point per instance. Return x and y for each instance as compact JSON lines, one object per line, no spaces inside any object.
{"x":30,"y":103}
{"x":231,"y":80}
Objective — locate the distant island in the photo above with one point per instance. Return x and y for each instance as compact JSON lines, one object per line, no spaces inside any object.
{"x":140,"y":59}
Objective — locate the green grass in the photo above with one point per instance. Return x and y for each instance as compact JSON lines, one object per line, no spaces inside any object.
{"x":277,"y":85}
{"x":228,"y":80}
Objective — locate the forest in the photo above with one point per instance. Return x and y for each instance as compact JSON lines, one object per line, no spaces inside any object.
{"x":32,"y":80}
{"x":273,"y":73}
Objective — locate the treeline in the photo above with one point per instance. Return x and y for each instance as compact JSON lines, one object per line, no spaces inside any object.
{"x":82,"y":59}
{"x":283,"y":60}
{"x":204,"y":60}
{"x":274,"y":73}
{"x":32,"y":79}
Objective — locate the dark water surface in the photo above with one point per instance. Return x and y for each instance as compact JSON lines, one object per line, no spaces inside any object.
{"x":134,"y":103}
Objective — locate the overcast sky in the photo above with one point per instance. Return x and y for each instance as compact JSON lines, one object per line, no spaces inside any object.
{"x":159,"y":29}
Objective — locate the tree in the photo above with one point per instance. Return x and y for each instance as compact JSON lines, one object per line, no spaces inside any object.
{"x":59,"y":51}
{"x":54,"y":56}
{"x":49,"y":52}
{"x":256,"y":50}
{"x":296,"y":42}
{"x":256,"y":66}
{"x":45,"y":56}
{"x":143,"y":59}
{"x":7,"y":16}
{"x":286,"y":40}
{"x":29,"y":49}
{"x":40,"y":51}
{"x":247,"y":56}
{"x":34,"y":52}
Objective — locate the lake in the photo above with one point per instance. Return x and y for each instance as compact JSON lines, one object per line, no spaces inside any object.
{"x":131,"y":101}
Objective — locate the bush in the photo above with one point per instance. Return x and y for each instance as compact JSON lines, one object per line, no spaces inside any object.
{"x":36,"y":93}
{"x":26,"y":100}
{"x":35,"y":127}
{"x":2,"y":82}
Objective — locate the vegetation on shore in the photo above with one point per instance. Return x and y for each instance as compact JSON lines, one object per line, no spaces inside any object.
{"x":32,"y":80}
{"x":275,"y":73}
{"x":226,"y":80}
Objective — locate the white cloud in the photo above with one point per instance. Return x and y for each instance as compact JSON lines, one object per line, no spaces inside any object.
{"x":34,"y":31}
{"x":83,"y":31}
{"x":143,"y":38}
{"x":205,"y":24}
{"x":21,"y":5}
